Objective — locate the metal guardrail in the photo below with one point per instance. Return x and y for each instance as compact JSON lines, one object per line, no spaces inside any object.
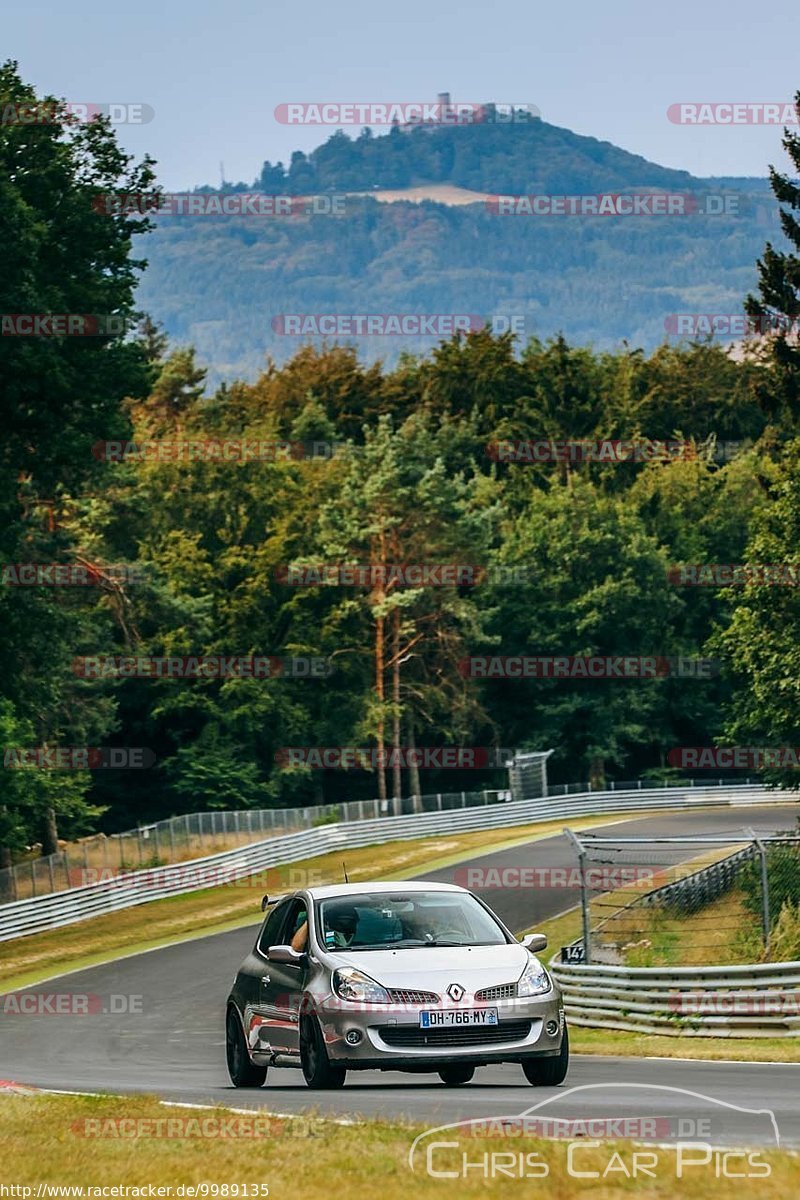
{"x":190,"y":835}
{"x":51,"y":911}
{"x":701,"y":887}
{"x":758,"y":1000}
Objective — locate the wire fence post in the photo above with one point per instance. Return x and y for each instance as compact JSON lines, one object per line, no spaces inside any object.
{"x":762,"y":853}
{"x":578,"y":846}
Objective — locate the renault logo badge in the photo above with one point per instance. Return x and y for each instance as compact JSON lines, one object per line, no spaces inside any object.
{"x":455,"y":991}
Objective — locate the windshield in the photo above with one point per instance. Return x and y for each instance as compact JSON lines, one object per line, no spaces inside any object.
{"x":406,"y":920}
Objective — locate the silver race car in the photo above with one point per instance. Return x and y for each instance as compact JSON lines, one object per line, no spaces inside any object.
{"x":393,"y":977}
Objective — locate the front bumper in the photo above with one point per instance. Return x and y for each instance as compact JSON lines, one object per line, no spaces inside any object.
{"x":390,"y":1036}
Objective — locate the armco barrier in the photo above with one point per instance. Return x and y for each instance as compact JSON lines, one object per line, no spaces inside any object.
{"x":761,"y":1000}
{"x":34,"y":915}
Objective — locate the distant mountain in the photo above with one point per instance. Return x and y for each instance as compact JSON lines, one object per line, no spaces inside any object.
{"x":530,"y":157}
{"x":223,"y":283}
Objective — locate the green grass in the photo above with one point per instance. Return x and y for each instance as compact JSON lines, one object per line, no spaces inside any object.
{"x":53,"y":1140}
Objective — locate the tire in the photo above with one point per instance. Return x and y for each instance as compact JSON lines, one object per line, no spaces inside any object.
{"x":456,"y":1074}
{"x":548,"y":1072}
{"x":242,"y":1072}
{"x":318,"y":1071}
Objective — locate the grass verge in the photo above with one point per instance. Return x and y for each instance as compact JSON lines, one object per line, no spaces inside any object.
{"x":74,"y":1141}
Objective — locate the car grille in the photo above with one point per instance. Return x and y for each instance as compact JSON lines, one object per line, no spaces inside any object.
{"x":503,"y":991}
{"x":455,"y":1035}
{"x":409,"y":996}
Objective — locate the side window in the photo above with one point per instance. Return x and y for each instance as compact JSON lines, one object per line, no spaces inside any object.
{"x":271,"y":933}
{"x":298,"y":916}
{"x":295,"y":933}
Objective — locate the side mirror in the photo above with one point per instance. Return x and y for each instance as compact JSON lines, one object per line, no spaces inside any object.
{"x":535,"y":942}
{"x":285,"y":954}
{"x":264,"y":903}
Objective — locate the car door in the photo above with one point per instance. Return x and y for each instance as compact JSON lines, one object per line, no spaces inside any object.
{"x":282,"y":983}
{"x":250,"y":986}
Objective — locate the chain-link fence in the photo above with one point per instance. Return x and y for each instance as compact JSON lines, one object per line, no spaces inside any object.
{"x":194,"y":835}
{"x":686,"y":901}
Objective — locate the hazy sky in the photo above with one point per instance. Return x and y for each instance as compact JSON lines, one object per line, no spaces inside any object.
{"x":215,"y":71}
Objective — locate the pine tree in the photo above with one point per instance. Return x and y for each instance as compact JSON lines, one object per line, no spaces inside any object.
{"x":778,"y":303}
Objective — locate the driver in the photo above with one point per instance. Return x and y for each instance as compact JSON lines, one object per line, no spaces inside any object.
{"x":341,"y":927}
{"x":339,"y":932}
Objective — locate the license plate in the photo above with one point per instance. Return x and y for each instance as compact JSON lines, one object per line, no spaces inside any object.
{"x":457,"y":1016}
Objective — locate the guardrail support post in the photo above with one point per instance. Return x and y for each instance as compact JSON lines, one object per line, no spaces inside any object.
{"x":578,"y":845}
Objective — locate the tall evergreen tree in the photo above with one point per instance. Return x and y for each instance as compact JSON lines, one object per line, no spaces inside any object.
{"x":778,"y":303}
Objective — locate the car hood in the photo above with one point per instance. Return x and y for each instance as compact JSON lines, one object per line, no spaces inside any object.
{"x":435,"y":968}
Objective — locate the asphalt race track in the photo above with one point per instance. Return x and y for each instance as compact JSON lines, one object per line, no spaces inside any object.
{"x":173,"y":1045}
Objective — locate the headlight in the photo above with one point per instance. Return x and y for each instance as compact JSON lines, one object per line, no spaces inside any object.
{"x":350,"y":984}
{"x":534,"y":979}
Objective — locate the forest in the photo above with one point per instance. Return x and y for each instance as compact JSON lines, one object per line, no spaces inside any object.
{"x":196,"y":520}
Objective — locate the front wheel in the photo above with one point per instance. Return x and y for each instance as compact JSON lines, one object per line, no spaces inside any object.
{"x":318,"y":1070}
{"x":548,"y":1072}
{"x":457,"y":1074}
{"x":241,"y":1070}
